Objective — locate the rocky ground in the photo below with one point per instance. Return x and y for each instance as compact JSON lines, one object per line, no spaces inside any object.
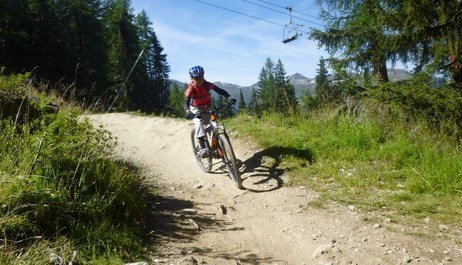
{"x":203,"y":218}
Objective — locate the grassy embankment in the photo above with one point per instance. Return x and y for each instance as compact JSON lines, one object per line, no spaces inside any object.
{"x":62,"y":193}
{"x":376,"y":157}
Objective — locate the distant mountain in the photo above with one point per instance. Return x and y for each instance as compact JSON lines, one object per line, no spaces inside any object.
{"x":299,"y":81}
{"x":398,"y":74}
{"x":302,"y":83}
{"x":232,"y":89}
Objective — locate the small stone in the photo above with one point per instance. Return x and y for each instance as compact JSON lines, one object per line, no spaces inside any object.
{"x":388,"y":220}
{"x":351,"y":207}
{"x":54,"y":259}
{"x":443,"y":227}
{"x":160,"y":260}
{"x":191,"y":221}
{"x":189,"y":260}
{"x":447,"y":251}
{"x":322,"y":249}
{"x":223,"y":209}
{"x":376,"y":226}
{"x":189,"y":210}
{"x":408,"y":260}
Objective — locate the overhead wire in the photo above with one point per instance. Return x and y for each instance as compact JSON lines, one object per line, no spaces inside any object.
{"x":283,"y":7}
{"x":281,"y":12}
{"x":244,"y":14}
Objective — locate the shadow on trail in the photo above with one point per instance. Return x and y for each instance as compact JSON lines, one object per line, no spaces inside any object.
{"x":176,"y":221}
{"x":264,"y":166}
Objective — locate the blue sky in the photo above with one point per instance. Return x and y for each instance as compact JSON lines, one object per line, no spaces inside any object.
{"x":232,"y":47}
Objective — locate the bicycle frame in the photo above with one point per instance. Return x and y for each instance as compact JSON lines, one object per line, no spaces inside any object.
{"x":213,"y":130}
{"x":218,"y":146}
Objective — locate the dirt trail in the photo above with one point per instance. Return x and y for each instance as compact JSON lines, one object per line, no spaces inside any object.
{"x":203,"y":219}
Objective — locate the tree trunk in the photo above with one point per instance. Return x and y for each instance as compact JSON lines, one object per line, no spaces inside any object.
{"x":380,"y":72}
{"x":456,"y":71}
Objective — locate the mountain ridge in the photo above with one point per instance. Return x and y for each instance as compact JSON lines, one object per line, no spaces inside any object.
{"x":299,"y":81}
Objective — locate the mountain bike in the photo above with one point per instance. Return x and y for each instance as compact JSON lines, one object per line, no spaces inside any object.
{"x":218,"y":145}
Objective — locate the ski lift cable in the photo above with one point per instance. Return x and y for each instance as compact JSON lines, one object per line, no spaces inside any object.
{"x":308,"y":15}
{"x":237,"y":12}
{"x":281,"y":12}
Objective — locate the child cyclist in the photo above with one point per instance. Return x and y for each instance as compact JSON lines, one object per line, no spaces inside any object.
{"x":198,"y":101}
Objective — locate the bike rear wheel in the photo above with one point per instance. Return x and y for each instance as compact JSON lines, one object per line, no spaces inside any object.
{"x":229,"y":159}
{"x":205,"y":163}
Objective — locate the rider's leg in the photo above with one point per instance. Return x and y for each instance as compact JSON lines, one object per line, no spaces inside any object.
{"x":199,"y":126}
{"x":202,"y":142}
{"x":200,"y":131}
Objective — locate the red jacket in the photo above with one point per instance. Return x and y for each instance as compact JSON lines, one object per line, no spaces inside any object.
{"x":200,"y":96}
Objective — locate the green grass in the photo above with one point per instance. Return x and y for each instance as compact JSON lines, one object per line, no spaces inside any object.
{"x":403,"y":169}
{"x":62,"y":191}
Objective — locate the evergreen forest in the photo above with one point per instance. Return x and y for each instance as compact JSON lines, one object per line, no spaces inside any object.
{"x":86,"y":51}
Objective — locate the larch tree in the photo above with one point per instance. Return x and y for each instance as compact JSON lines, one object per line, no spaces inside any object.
{"x":369,"y":34}
{"x":430,"y":35}
{"x":355,"y":35}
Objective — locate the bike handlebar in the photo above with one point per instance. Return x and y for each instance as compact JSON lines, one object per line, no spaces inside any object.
{"x":226,"y":106}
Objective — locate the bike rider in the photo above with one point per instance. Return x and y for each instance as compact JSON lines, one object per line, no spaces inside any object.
{"x":198,"y":101}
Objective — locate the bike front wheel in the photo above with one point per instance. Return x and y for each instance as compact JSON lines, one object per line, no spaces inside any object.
{"x":205,"y":163}
{"x":229,"y":159}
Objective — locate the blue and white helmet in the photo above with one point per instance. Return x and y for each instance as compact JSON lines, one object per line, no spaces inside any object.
{"x":196,"y":71}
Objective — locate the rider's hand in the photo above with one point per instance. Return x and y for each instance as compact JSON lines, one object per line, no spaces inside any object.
{"x":231,"y":100}
{"x":189,"y":115}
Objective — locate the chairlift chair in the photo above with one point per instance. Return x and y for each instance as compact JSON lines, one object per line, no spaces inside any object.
{"x":290,"y":32}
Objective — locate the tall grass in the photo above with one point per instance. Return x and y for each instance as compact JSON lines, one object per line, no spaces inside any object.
{"x":63,"y":192}
{"x":371,"y":162}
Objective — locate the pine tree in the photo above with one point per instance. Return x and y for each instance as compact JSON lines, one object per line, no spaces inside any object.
{"x":286,"y":100}
{"x":123,"y":52}
{"x":275,"y":93}
{"x":241,"y":103}
{"x":267,"y":96}
{"x":176,"y":98}
{"x":156,"y":64}
{"x":322,"y":83}
{"x":85,"y":55}
{"x":254,"y":105}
